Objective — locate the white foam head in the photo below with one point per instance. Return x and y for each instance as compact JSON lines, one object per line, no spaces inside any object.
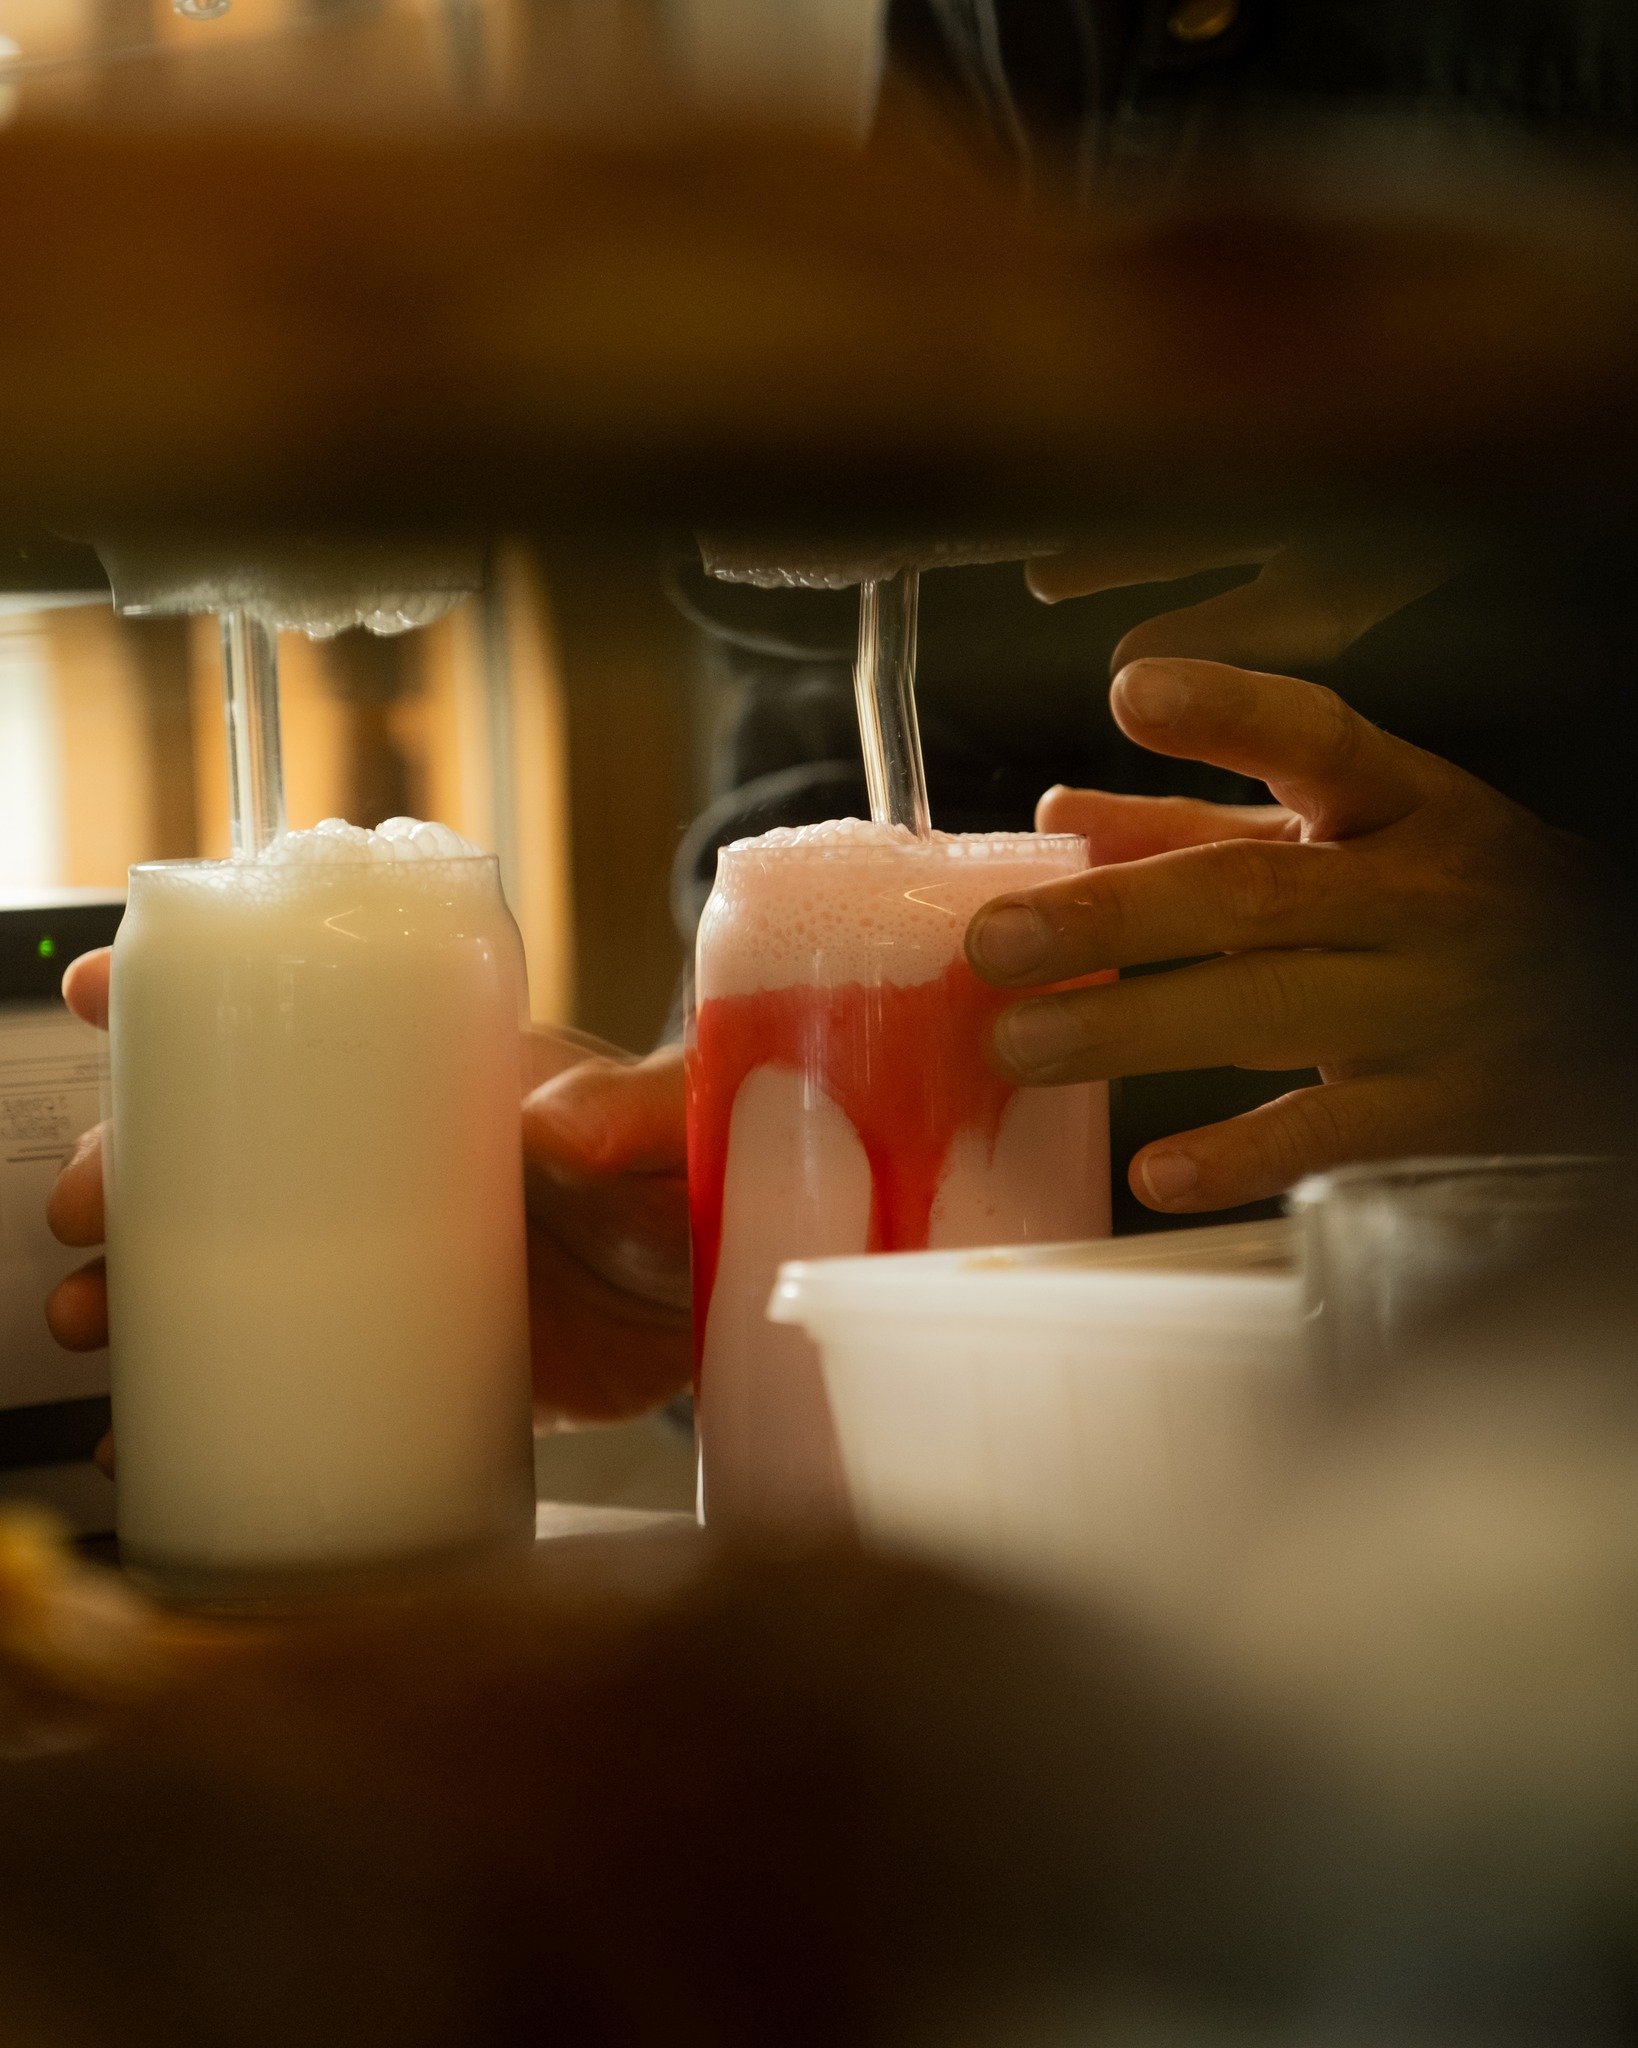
{"x":307,"y":873}
{"x":849,"y":901}
{"x":396,"y":839}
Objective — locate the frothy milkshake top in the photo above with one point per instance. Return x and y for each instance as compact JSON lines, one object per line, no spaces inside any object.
{"x":849,"y":901}
{"x":396,"y":839}
{"x":310,"y":871}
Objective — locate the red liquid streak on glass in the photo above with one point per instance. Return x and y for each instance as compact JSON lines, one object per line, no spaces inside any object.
{"x":907,"y":1067}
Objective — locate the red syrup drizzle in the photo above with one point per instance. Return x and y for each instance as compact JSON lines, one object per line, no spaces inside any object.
{"x":907,"y":1066}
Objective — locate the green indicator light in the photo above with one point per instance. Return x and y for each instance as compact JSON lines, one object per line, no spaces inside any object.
{"x":48,"y":947}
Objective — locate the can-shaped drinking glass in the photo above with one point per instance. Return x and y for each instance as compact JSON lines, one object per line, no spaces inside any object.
{"x":842,"y":1098}
{"x":316,"y":1260}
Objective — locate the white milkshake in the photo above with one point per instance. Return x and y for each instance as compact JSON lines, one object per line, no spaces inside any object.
{"x":316,"y":1269}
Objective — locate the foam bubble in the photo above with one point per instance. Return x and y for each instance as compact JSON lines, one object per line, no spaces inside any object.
{"x":851,"y":901}
{"x":397,"y":839}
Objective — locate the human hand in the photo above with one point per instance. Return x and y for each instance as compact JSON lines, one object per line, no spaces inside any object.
{"x":606,"y":1192}
{"x":1311,"y":599}
{"x":77,"y":1307}
{"x":1389,"y":920}
{"x":606,"y":1182}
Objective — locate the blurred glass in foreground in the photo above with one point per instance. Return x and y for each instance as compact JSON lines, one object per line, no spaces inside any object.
{"x":1391,"y":1251}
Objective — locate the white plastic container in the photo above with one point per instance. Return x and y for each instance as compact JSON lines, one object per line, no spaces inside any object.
{"x":1059,"y":1415}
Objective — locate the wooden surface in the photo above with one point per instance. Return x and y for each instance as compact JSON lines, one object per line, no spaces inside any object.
{"x":457,"y":323}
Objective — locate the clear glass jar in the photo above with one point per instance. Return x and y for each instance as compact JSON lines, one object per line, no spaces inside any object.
{"x":842,"y":1099}
{"x":316,"y":1261}
{"x":1390,"y":1251}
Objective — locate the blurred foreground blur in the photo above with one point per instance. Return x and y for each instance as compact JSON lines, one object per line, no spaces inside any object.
{"x":1383,"y":1785}
{"x":645,"y":1790}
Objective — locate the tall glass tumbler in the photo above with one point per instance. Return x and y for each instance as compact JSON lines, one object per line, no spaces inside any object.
{"x":842,"y":1099}
{"x":1391,"y":1251}
{"x":316,"y":1264}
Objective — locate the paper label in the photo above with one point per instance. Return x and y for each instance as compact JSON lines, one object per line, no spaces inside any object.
{"x":50,"y":1093}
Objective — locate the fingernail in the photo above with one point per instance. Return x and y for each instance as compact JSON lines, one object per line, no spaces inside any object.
{"x":1153,"y":692}
{"x":1168,"y":1176}
{"x":1049,"y":802}
{"x":1011,"y":940}
{"x":1035,"y":1035}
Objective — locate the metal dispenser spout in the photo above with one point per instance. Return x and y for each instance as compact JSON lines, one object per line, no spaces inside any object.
{"x":798,"y":562}
{"x":888,"y":573}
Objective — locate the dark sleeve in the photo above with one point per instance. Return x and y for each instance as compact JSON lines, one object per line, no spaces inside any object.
{"x":1108,"y":82}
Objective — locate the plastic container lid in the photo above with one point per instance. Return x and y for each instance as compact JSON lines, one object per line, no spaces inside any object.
{"x":1048,"y":1285}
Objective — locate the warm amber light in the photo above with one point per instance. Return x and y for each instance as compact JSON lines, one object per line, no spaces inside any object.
{"x":1198,"y":21}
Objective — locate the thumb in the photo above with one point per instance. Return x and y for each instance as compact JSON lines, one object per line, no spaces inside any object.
{"x":85,"y":987}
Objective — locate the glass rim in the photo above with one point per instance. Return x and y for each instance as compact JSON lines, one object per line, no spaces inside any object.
{"x":227,"y":863}
{"x":941,"y":842}
{"x":1429,"y":1171}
